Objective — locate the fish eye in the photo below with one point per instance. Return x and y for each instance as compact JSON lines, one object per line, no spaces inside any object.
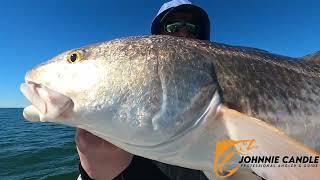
{"x":74,"y":56}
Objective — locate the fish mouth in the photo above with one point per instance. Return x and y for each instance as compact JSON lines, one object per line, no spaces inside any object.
{"x":47,"y":104}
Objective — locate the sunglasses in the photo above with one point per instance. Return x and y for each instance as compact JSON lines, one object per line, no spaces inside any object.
{"x":176,"y":26}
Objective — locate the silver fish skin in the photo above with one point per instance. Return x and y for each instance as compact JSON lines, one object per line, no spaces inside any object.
{"x":134,"y":89}
{"x":157,"y":96}
{"x":313,"y":57}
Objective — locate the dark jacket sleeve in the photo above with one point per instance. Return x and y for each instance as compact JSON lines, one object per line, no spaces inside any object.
{"x":180,"y":173}
{"x":144,"y":169}
{"x":139,"y":169}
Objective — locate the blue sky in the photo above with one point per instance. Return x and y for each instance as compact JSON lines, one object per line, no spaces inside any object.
{"x":33,"y":31}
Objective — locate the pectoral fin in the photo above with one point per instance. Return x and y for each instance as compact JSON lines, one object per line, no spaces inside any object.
{"x":269,"y":141}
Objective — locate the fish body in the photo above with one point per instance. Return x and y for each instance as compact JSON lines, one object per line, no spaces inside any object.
{"x":313,"y":57}
{"x":160,"y":96}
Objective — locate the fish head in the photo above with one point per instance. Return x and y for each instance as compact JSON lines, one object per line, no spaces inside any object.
{"x":142,"y":91}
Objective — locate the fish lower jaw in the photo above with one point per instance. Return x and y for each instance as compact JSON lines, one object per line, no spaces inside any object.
{"x":31,"y":113}
{"x":47,"y":104}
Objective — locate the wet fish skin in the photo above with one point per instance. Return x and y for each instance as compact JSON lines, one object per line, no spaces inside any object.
{"x":313,"y":57}
{"x":280,"y":90}
{"x":143,"y":85}
{"x":148,"y":94}
{"x":277,"y":89}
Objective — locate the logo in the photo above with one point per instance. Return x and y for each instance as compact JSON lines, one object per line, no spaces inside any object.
{"x":241,"y":147}
{"x":230,"y":150}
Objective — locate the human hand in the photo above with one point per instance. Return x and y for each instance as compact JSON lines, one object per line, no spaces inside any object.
{"x":99,"y":158}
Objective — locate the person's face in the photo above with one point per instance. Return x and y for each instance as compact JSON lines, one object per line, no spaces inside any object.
{"x":182,"y":32}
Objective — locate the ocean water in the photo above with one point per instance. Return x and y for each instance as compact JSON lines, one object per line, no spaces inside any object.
{"x":35,"y":150}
